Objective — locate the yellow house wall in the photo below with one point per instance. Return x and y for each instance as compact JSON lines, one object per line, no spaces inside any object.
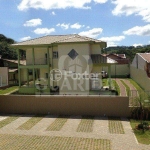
{"x":95,"y":49}
{"x":39,"y":54}
{"x":80,"y":86}
{"x":29,"y":56}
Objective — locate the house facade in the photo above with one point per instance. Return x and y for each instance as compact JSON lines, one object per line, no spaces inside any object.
{"x":12,"y":70}
{"x":64,"y":62}
{"x":140,"y":70}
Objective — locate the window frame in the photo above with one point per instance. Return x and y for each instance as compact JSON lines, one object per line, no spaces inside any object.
{"x":55,"y":54}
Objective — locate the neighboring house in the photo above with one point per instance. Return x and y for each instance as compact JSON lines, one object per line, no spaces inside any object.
{"x":12,"y":66}
{"x":120,"y":58}
{"x":73,"y":54}
{"x":3,"y":74}
{"x":120,"y":65}
{"x":140,"y":70}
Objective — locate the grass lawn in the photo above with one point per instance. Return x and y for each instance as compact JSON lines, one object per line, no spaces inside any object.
{"x":8,"y":90}
{"x":113,"y":84}
{"x":136,"y":86}
{"x":105,"y":82}
{"x":143,"y":138}
{"x":116,"y":86}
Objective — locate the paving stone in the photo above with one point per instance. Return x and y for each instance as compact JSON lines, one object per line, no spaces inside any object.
{"x":38,"y":134}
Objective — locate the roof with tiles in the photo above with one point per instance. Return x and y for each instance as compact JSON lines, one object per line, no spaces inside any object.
{"x":146,"y":56}
{"x":22,"y":62}
{"x":51,"y":39}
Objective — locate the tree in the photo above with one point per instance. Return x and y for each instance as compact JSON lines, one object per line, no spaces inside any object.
{"x":5,"y":50}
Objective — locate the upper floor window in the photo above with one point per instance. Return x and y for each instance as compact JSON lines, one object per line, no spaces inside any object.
{"x":46,"y":75}
{"x":55,"y":54}
{"x":30,"y":72}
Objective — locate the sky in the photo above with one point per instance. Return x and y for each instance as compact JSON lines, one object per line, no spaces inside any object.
{"x":118,"y":22}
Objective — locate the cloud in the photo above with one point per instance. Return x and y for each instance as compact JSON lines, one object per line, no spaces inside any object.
{"x":25,"y":38}
{"x":56,"y":4}
{"x":53,"y":4}
{"x":113,"y":38}
{"x":139,"y":30}
{"x":76,"y":26}
{"x":135,"y":45}
{"x":93,"y":33}
{"x":129,"y":7}
{"x":44,"y":31}
{"x":63,"y":25}
{"x":53,"y":13}
{"x":100,"y":1}
{"x":112,"y":41}
{"x":88,"y":27}
{"x":33,"y":23}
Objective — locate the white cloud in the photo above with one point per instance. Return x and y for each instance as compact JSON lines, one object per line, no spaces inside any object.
{"x":88,"y":27}
{"x":139,"y":30}
{"x":44,"y":31}
{"x":53,"y":13}
{"x":100,"y":1}
{"x":129,"y":7}
{"x":63,"y":25}
{"x":135,"y":45}
{"x":53,"y":4}
{"x":93,"y":33}
{"x":33,"y":23}
{"x":56,"y":4}
{"x":76,"y":26}
{"x":25,"y":38}
{"x":113,"y":38}
{"x":111,"y":41}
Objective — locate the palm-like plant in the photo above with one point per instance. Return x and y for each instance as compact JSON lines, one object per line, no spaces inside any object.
{"x":142,"y":108}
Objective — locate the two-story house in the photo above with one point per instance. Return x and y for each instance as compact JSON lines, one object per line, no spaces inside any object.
{"x":71,"y":63}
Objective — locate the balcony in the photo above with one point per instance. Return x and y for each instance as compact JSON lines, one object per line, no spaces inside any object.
{"x":38,"y":61}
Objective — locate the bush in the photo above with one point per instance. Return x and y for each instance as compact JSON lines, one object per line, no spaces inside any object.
{"x":143,"y":126}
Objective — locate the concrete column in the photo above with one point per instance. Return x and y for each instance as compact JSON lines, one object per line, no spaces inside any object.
{"x":33,"y":56}
{"x":109,"y":73}
{"x":33,"y":70}
{"x":27,"y":77}
{"x":48,"y":62}
{"x":19,"y":71}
